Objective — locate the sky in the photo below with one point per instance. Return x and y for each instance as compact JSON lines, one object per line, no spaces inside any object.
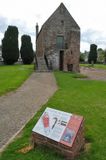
{"x":89,"y":14}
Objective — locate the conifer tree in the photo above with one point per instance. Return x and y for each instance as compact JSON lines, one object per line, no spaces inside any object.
{"x":10,"y":50}
{"x":92,"y":57}
{"x":26,"y":50}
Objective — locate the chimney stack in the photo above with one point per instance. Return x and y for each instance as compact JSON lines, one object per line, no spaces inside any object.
{"x":37,"y":29}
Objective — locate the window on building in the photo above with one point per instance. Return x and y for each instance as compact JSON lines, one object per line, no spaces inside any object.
{"x":60,"y":42}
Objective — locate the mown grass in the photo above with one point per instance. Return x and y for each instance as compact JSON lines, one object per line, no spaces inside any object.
{"x":11,"y":77}
{"x":98,"y":66}
{"x":82,"y":97}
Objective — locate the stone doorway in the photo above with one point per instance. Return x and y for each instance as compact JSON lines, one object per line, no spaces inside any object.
{"x":61,"y":59}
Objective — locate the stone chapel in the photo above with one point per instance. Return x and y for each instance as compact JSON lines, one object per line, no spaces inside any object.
{"x":58,"y":42}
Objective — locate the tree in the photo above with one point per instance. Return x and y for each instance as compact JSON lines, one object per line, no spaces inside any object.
{"x":100,"y":52}
{"x":92,"y":57}
{"x":10,"y":50}
{"x":82,"y":57}
{"x":26,"y":50}
{"x":105,"y":56}
{"x":101,"y":55}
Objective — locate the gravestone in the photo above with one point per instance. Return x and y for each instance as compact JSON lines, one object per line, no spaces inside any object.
{"x":60,"y":130}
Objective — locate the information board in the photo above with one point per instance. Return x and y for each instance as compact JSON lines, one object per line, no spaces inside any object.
{"x":58,"y":125}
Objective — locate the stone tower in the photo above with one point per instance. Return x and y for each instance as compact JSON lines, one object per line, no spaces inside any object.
{"x":58,"y":42}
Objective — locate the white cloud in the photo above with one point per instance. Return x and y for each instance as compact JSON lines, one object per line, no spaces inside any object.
{"x":84,"y":46}
{"x":88,"y":14}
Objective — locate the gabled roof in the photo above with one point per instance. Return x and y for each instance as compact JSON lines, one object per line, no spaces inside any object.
{"x":61,"y":9}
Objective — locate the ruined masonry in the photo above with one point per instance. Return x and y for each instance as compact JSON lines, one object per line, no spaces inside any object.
{"x":58,"y":42}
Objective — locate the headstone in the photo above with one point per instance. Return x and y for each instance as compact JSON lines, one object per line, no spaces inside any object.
{"x":60,"y":130}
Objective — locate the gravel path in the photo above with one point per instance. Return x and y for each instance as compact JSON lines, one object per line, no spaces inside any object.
{"x":92,"y":73}
{"x":16,"y":108}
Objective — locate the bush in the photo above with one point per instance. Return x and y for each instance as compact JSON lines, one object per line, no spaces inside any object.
{"x":10,"y":50}
{"x":26,"y":50}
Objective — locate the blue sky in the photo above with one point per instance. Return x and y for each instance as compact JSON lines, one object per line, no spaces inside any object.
{"x":89,"y":14}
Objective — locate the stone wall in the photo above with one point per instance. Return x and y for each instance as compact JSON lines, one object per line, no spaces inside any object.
{"x":72,"y":53}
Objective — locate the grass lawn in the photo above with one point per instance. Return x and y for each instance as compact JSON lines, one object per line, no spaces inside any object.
{"x":83,"y":97}
{"x":99,"y":66}
{"x":12,"y":76}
